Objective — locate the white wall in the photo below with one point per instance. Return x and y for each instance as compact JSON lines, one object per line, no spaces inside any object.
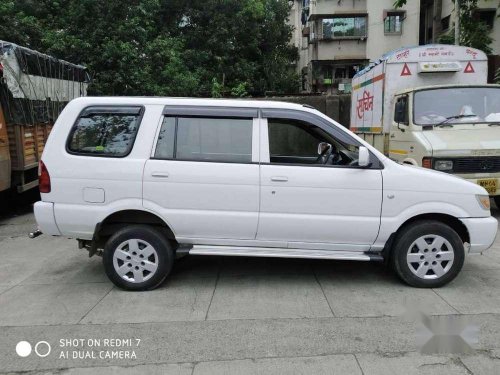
{"x":379,"y":42}
{"x":343,"y":49}
{"x":336,"y":6}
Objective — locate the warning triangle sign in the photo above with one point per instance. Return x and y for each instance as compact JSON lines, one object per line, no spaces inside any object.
{"x":405,"y":71}
{"x":469,"y":68}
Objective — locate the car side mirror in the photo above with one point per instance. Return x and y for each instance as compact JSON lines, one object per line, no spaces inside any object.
{"x":400,"y":113}
{"x":364,"y":157}
{"x":323,"y":147}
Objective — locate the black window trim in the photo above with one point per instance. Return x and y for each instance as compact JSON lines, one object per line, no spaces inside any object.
{"x":117,"y":109}
{"x":403,"y":97}
{"x":210,"y":111}
{"x":226,"y":115}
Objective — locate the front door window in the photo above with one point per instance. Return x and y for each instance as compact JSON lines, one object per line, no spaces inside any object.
{"x":296,"y":142}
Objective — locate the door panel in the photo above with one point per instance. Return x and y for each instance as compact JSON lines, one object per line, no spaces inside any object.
{"x":320,"y":204}
{"x":400,"y":138}
{"x":204,"y":200}
{"x":315,"y":206}
{"x":205,"y":184}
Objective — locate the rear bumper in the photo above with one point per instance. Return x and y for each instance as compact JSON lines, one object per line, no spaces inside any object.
{"x":44,"y":215}
{"x":482,"y":232}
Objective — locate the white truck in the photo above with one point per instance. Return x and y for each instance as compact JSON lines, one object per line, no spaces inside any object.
{"x":430,"y":106}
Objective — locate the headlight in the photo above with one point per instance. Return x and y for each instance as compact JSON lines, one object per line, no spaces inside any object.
{"x":484,"y":201}
{"x":443,"y":165}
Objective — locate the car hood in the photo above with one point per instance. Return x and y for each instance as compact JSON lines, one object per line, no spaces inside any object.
{"x":472,"y":141}
{"x":420,"y":190}
{"x":428,"y":180}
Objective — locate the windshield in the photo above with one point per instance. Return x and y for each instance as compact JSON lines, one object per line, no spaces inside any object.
{"x":457,"y":105}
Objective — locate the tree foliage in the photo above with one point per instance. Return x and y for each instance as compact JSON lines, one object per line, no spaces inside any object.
{"x":162,"y":47}
{"x":473,"y":32}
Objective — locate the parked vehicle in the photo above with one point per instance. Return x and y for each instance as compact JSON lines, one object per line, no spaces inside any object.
{"x":34,"y":88}
{"x":430,"y":106}
{"x":141,"y":180}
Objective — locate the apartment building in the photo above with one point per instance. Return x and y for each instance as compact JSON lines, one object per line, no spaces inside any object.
{"x":336,"y":38}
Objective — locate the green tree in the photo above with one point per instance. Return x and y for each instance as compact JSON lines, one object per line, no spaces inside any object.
{"x":473,"y":32}
{"x":235,"y":42}
{"x":19,"y":24}
{"x":162,"y":47}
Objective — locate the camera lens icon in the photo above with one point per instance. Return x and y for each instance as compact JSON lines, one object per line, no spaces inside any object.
{"x":23,"y":349}
{"x":42,"y":349}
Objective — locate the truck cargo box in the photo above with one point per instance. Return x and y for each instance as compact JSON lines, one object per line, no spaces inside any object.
{"x":34,"y":88}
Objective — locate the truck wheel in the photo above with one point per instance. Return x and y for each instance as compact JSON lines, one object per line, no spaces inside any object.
{"x":427,"y":254}
{"x":138,"y":258}
{"x":497,"y":201}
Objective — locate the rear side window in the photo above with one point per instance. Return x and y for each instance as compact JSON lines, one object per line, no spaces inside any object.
{"x":105,"y":131}
{"x":206,"y":139}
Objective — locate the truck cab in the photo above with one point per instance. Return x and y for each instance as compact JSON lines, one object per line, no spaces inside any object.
{"x":431,"y":106}
{"x":450,"y":128}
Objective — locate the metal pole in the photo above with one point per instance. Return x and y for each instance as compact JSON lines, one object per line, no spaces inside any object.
{"x":457,"y":22}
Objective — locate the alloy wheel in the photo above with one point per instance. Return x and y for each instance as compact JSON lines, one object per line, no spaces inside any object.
{"x":430,"y":257}
{"x":135,"y":260}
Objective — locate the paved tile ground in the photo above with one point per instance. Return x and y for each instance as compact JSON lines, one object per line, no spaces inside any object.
{"x":228,"y":315}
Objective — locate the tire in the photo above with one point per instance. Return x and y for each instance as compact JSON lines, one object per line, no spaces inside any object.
{"x":138,"y":258}
{"x":497,"y":201}
{"x":437,"y":250}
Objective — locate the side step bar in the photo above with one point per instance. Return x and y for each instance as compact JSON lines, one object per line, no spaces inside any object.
{"x":274,"y":252}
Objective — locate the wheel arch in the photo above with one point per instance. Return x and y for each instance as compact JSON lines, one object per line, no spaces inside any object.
{"x":453,"y":222}
{"x":122,"y":218}
{"x":410,"y":161}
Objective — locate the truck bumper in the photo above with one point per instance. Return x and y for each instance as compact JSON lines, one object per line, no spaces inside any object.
{"x":44,"y":215}
{"x":482,"y":232}
{"x":476,"y":180}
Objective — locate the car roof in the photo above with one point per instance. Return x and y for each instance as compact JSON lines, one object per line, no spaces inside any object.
{"x":152,"y":100}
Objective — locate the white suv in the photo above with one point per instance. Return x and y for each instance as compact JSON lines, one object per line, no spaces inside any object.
{"x":143,"y":180}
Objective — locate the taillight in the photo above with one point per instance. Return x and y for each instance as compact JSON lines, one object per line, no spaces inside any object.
{"x":427,"y":163}
{"x":43,"y":178}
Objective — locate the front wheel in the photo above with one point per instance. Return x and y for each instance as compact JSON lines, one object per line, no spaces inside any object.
{"x":138,"y":258}
{"x":428,"y":254}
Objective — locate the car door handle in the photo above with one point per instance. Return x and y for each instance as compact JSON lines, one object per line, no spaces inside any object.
{"x":279,"y":178}
{"x":159,"y":174}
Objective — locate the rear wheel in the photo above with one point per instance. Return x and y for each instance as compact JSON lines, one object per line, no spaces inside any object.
{"x":428,"y":254}
{"x":138,"y":258}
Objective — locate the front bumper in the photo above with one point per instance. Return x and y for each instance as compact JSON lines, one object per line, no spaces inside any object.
{"x":482,"y":232}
